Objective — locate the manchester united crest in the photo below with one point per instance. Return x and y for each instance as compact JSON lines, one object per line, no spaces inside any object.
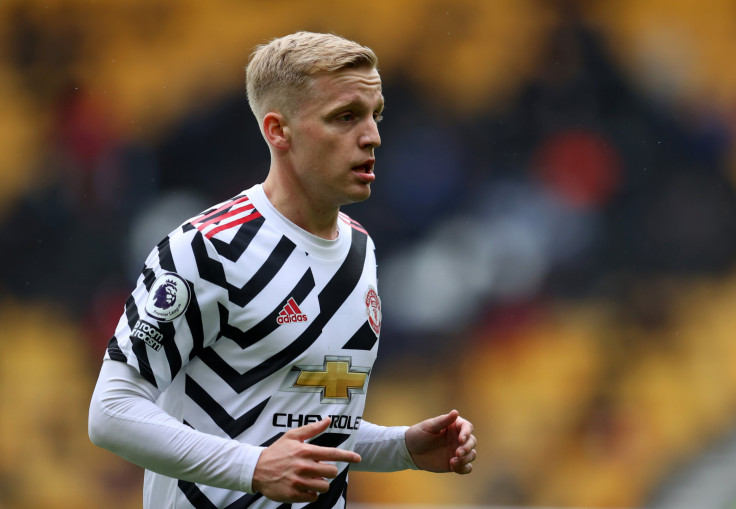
{"x":373,"y":309}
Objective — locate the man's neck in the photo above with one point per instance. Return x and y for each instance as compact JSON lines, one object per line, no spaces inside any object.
{"x":296,"y":208}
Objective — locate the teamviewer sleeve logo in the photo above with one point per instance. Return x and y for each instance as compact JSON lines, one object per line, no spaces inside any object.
{"x":169,"y":297}
{"x":148,"y":333}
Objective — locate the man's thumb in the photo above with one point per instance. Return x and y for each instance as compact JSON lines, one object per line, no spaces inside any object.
{"x":440,"y":422}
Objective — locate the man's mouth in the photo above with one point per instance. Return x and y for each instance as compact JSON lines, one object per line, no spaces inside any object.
{"x":366,"y":167}
{"x":365,"y":171}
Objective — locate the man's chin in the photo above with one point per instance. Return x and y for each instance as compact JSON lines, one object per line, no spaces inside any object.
{"x":357,"y":197}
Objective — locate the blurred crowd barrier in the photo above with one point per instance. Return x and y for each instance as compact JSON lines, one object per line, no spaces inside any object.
{"x":554,"y":212}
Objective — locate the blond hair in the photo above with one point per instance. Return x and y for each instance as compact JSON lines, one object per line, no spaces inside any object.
{"x":279,"y":71}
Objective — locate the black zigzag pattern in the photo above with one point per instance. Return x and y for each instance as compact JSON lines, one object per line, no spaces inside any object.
{"x":149,"y":277}
{"x":330,"y":439}
{"x":272,"y":439}
{"x":330,"y":299}
{"x":113,"y":349}
{"x":173,"y":355}
{"x":232,"y":426}
{"x":338,"y":488}
{"x":193,"y":317}
{"x":268,"y":324}
{"x":165,"y":259}
{"x":200,"y":501}
{"x":234,"y":249}
{"x":363,"y":339}
{"x":212,"y":270}
{"x":139,"y":347}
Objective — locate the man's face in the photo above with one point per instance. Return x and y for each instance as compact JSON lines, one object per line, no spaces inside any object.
{"x":333,"y":136}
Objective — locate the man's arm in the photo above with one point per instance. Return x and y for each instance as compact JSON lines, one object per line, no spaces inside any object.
{"x":124,"y":419}
{"x":441,"y":444}
{"x":383,"y":448}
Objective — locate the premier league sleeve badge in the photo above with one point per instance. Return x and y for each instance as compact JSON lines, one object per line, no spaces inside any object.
{"x":168,"y":298}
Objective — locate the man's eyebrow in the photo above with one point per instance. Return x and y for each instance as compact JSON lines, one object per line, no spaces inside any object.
{"x":355,"y":104}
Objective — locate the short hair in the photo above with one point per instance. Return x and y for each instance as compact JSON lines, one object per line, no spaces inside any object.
{"x":281,"y":69}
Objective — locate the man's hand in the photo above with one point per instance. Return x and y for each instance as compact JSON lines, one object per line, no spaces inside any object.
{"x":290,"y":470}
{"x":443,"y":444}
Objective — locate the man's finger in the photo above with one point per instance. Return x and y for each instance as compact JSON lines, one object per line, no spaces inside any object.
{"x":437,"y":424}
{"x":463,"y":464}
{"x":465,"y":431}
{"x":321,"y":470}
{"x":319,"y":453}
{"x":468,"y":445}
{"x":468,"y":457}
{"x":314,"y":485}
{"x":461,"y":468}
{"x":310,"y":430}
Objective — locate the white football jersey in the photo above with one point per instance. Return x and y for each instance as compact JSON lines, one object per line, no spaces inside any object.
{"x":251,"y":326}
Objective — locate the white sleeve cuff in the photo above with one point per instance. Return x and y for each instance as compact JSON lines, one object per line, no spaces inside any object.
{"x":252,"y":454}
{"x":382,"y":448}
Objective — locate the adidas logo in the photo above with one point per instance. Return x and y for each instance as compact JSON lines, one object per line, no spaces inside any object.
{"x":291,"y":313}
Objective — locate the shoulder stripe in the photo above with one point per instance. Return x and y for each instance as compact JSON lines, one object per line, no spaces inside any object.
{"x":354,"y":224}
{"x":206,"y":216}
{"x":225,"y":215}
{"x":239,"y":220}
{"x":232,"y":213}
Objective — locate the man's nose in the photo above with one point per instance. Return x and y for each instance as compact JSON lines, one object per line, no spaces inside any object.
{"x":371,"y":138}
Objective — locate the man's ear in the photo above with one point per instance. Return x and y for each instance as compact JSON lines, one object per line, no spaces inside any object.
{"x":276,"y":131}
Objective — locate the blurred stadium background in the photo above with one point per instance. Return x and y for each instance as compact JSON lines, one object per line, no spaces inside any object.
{"x":555,"y":217}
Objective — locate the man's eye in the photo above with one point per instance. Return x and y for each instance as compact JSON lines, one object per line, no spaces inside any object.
{"x":377,"y":117}
{"x":346,"y":117}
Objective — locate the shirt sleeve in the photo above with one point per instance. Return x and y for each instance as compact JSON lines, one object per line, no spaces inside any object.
{"x":382,"y":449}
{"x":172,"y":313}
{"x":125,"y":419}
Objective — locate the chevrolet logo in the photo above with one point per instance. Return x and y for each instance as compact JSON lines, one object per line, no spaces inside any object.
{"x":336,"y":379}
